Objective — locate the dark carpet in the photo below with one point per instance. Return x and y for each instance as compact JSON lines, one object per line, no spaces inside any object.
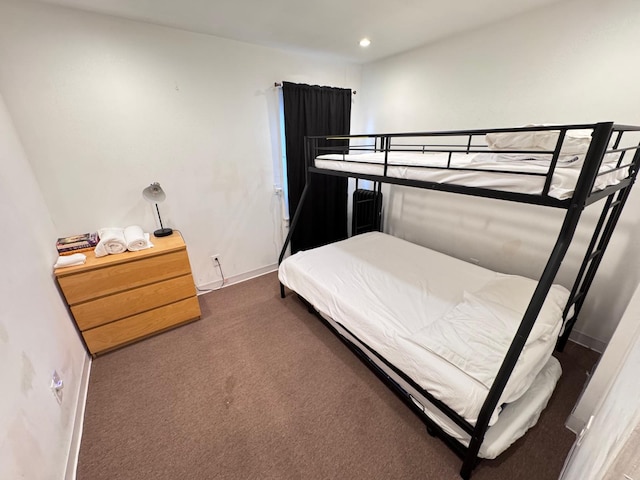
{"x":261,"y":389}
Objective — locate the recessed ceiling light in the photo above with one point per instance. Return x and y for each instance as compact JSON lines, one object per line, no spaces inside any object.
{"x":365,"y":42}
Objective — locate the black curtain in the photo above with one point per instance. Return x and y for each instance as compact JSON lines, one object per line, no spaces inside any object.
{"x":308,"y":111}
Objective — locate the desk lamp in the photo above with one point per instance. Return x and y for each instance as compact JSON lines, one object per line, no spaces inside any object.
{"x":154,"y":194}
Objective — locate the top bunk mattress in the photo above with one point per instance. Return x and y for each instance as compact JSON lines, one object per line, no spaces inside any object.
{"x":517,"y":173}
{"x":543,"y":162}
{"x":445,"y":323}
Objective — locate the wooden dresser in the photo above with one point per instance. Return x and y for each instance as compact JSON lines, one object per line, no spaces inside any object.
{"x":118,"y":299}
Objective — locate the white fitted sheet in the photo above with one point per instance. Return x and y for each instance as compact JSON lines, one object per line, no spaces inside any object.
{"x":398,"y":298}
{"x":515,"y":175}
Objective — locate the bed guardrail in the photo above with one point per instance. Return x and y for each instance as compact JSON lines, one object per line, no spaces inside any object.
{"x":466,"y":142}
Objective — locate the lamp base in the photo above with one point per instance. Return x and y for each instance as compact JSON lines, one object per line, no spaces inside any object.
{"x":163,"y":232}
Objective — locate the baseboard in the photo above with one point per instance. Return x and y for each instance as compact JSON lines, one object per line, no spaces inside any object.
{"x":78,"y":422}
{"x":587,"y":341}
{"x":574,"y":424}
{"x":241,"y":277}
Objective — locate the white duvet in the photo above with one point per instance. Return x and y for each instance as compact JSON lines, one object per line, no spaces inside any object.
{"x":445,"y":323}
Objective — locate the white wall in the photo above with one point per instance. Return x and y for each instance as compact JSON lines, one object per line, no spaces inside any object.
{"x":106,"y":106}
{"x":609,"y":364}
{"x":572,"y":62}
{"x":36,"y":333}
{"x":608,"y":447}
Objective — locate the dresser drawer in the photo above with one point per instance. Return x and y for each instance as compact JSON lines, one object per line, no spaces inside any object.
{"x":110,"y":279}
{"x":130,"y":302}
{"x":121,"y":332}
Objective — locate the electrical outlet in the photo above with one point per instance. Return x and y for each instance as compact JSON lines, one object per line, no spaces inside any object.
{"x":215,"y":258}
{"x":56,"y":386}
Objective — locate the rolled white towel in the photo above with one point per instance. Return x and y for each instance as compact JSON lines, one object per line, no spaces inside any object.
{"x":112,"y":241}
{"x":70,"y":260}
{"x":136,"y":239}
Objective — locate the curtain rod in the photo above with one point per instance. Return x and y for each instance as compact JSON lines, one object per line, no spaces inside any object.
{"x":279,"y":85}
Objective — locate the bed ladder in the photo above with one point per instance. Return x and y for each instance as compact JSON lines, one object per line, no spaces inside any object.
{"x":593,"y":256}
{"x":604,"y":229}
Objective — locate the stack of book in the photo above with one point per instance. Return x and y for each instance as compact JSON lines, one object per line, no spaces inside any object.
{"x":77,"y":243}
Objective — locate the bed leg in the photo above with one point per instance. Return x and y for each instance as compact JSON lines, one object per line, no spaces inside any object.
{"x":560,"y":344}
{"x":281,"y":290}
{"x":465,"y":473}
{"x":471,"y":458}
{"x":562,"y":340}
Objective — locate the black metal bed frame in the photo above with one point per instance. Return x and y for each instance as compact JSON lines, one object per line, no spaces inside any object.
{"x":606,"y":139}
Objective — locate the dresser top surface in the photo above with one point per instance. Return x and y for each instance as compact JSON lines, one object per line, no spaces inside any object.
{"x":161,"y":245}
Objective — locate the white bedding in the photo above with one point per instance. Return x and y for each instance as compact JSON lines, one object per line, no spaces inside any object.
{"x":514,"y":420}
{"x":575,"y":142}
{"x":445,"y":323}
{"x":410,"y":165}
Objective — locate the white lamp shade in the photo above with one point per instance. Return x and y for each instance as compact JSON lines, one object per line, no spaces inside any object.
{"x":154,"y":193}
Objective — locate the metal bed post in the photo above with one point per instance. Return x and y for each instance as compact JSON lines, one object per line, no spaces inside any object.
{"x":378,"y":206}
{"x":597,"y":148}
{"x":354,"y":210}
{"x":386,"y":142}
{"x":508,"y":364}
{"x":296,"y":215}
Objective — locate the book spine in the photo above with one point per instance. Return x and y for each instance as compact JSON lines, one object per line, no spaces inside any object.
{"x":78,"y":249}
{"x":78,"y":241}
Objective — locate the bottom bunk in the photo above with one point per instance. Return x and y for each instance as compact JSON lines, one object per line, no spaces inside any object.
{"x":438,"y":328}
{"x":514,"y":420}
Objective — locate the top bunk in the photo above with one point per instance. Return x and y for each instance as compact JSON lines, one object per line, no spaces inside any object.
{"x":552,"y":165}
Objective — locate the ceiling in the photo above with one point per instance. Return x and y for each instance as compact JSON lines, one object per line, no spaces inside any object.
{"x":329,"y":27}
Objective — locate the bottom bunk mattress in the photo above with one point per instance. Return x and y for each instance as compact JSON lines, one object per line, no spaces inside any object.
{"x":443,"y":322}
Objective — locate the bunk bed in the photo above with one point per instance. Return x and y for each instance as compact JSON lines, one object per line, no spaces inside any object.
{"x":468,"y":349}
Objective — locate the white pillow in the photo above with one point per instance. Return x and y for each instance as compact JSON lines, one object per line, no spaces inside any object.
{"x":476,"y":334}
{"x":576,"y":142}
{"x":515,"y":292}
